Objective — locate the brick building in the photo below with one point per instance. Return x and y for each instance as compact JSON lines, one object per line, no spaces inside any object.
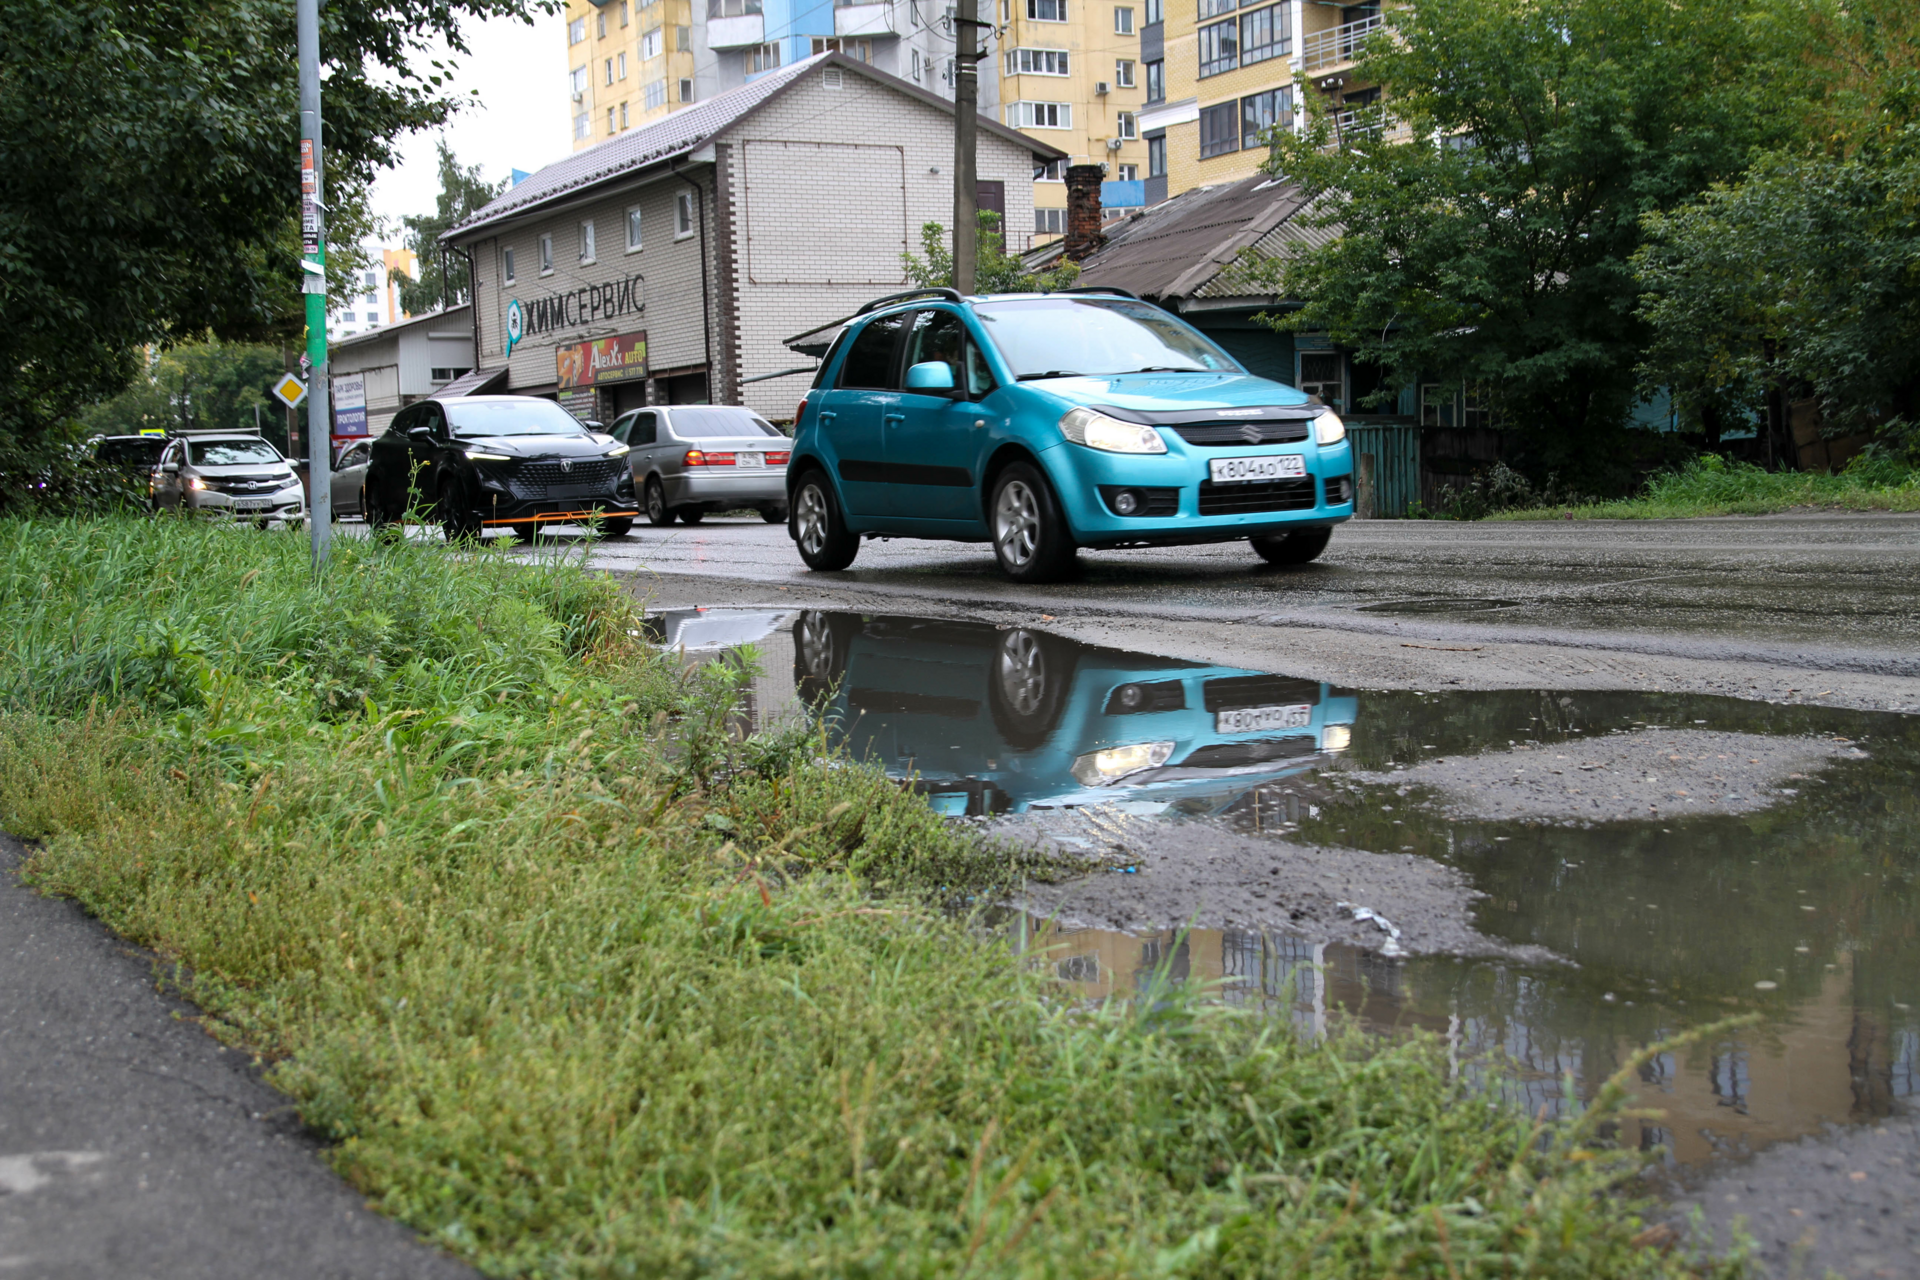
{"x":666,"y":265}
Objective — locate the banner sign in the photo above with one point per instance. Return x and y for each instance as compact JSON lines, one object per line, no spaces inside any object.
{"x":584,"y":306}
{"x":309,"y":202}
{"x":602,"y":361}
{"x":350,"y":404}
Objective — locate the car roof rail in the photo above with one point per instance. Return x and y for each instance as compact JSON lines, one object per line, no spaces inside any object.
{"x":1102,"y":288}
{"x":950,"y":295}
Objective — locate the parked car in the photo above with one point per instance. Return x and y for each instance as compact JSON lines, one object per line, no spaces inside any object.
{"x":1047,"y":422}
{"x":350,"y":479}
{"x":135,"y":455}
{"x":235,"y":475}
{"x":489,"y":461}
{"x":691,"y":459}
{"x":990,"y":721}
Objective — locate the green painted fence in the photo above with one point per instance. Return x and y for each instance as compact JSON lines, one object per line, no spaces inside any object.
{"x":1395,"y":450}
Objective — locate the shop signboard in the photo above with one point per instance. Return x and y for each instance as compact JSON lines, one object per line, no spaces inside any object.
{"x":350,"y":405}
{"x":602,"y":362}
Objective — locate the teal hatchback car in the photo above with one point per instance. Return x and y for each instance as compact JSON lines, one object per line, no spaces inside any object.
{"x":1044,"y":423}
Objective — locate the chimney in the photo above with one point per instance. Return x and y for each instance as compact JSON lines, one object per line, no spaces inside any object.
{"x":1084,"y":236}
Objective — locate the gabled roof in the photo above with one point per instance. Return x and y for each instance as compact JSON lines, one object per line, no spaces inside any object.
{"x":1190,"y":245}
{"x":460,"y":317}
{"x":683,"y":132}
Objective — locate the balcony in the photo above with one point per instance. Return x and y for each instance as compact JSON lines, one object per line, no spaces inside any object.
{"x":867,"y":20}
{"x":735,"y":24}
{"x":1353,"y":126}
{"x":1338,"y":45}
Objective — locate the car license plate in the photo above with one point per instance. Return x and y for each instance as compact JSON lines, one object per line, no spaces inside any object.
{"x":749,"y":460}
{"x":1262,"y":719}
{"x":251,"y":504}
{"x":1274,"y":466}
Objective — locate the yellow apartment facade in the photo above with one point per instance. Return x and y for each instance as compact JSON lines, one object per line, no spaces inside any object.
{"x":1218,"y":74}
{"x":629,"y":63}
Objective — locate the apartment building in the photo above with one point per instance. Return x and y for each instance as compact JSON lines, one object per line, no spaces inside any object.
{"x":375,"y":299}
{"x":633,"y":61}
{"x":1070,"y":76}
{"x":1219,"y":74}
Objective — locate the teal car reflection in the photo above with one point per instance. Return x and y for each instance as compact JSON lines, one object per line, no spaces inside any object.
{"x":994,"y":721}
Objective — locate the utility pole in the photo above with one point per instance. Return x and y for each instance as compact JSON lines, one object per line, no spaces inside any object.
{"x":313,"y":271}
{"x":966,"y":107}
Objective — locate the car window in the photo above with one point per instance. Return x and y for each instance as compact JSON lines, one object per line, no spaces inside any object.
{"x":1058,"y":335}
{"x":621,"y":426}
{"x":142,"y":450}
{"x":432,"y":419}
{"x":708,"y":422}
{"x":512,"y":418}
{"x":826,"y":361}
{"x":870,"y":358}
{"x":232,"y":453}
{"x":979,"y":377}
{"x":356,"y":455}
{"x":402,"y":420}
{"x":936,"y":337}
{"x":645,"y":430}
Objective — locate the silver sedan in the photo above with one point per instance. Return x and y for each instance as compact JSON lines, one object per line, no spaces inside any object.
{"x":691,"y":459}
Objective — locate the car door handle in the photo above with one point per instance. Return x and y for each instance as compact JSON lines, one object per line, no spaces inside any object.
{"x":825,"y":417}
{"x":892,"y":418}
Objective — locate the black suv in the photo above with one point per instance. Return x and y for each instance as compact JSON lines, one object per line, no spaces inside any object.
{"x":497,"y":460}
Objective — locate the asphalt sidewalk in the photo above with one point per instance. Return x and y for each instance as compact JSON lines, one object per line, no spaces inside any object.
{"x":132,"y":1144}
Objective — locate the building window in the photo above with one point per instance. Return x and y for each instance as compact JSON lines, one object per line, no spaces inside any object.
{"x":586,"y":241}
{"x":683,"y":39}
{"x":1156,"y":82}
{"x":1263,"y":111}
{"x":1037,"y":62}
{"x":1220,"y":129}
{"x":764,"y":58}
{"x":507,"y":265}
{"x":1219,"y":47}
{"x":1123,"y":73}
{"x":1265,"y":33}
{"x":1040,"y":115}
{"x":1123,"y":22}
{"x":650,"y":44}
{"x":1051,"y":171}
{"x":1049,"y":222}
{"x":623,"y":115}
{"x":1156,"y":12}
{"x":1157,"y":157}
{"x":578,"y":79}
{"x":916,"y":65}
{"x":682,"y":215}
{"x":448,"y":374}
{"x":600,"y":26}
{"x":859,"y":50}
{"x":623,"y":66}
{"x":1215,"y":8}
{"x":656,"y":94}
{"x":546,"y":255}
{"x":732,"y":8}
{"x":623,"y":12}
{"x":582,"y":126}
{"x":1127,"y":173}
{"x":576,"y":31}
{"x":1047,"y":10}
{"x":686,"y":90}
{"x":633,"y":230}
{"x":610,"y":125}
{"x":1124,"y":122}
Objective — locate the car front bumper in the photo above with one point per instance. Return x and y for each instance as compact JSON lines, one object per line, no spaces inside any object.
{"x":499,"y":505}
{"x":288,"y":504}
{"x":1181,"y":505}
{"x":725,"y":487}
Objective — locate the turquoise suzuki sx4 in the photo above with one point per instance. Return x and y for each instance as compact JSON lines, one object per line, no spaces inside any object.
{"x":1043,"y":423}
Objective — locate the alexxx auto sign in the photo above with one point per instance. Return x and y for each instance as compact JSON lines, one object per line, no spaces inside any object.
{"x":587,"y":305}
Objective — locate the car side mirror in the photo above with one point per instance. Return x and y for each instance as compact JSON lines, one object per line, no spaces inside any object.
{"x":420,"y":435}
{"x":930,"y":375}
{"x":171,"y":468}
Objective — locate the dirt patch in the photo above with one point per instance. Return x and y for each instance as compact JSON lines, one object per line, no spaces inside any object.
{"x":1172,"y":873}
{"x":1649,"y":773}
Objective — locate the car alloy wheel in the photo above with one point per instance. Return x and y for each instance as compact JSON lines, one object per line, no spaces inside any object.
{"x":1016,"y":524}
{"x":1030,"y":537}
{"x":1022,"y":672}
{"x":824,"y":541}
{"x":657,"y":513}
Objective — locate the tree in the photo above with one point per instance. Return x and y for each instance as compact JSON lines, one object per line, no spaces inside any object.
{"x":151,"y":158}
{"x":443,"y":276}
{"x":996,"y":270}
{"x":1486,"y":225}
{"x":196,"y":386}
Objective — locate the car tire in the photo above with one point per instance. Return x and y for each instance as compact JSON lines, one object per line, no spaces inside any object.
{"x":819,"y":531}
{"x":656,"y":503}
{"x":527,"y":532}
{"x":691,"y":515}
{"x":1030,"y":537}
{"x":774,"y":515}
{"x":378,"y":521}
{"x":822,"y":643}
{"x":616,"y":526}
{"x":458,"y":517}
{"x":1291,"y":548}
{"x":1027,"y":686}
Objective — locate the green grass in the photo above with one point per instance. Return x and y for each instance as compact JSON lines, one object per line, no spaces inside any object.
{"x":581,"y":983}
{"x":1711,"y":486}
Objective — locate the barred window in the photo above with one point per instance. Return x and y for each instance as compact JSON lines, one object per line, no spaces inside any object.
{"x":1219,"y":47}
{"x":1220,"y":129}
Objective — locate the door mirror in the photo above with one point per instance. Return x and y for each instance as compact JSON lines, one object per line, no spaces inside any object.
{"x":171,"y":468}
{"x":931,"y":375}
{"x":420,"y":435}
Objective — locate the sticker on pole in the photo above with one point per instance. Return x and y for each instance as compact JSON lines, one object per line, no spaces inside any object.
{"x":516,"y":325}
{"x":290,"y":391}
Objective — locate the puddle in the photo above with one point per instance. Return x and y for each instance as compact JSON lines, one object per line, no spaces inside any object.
{"x":1799,"y":904}
{"x":1440,"y":605}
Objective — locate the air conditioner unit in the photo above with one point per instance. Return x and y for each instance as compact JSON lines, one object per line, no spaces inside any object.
{"x":1114,"y":144}
{"x":579,"y":97}
{"x":1100,"y":87}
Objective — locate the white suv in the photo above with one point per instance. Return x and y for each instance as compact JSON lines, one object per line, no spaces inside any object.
{"x":231,"y":475}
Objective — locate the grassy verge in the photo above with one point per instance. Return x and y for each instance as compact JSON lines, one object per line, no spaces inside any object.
{"x":584,"y":985}
{"x":1711,"y":486}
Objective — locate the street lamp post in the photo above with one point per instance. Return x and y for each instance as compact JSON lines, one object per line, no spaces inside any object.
{"x":313,"y":271}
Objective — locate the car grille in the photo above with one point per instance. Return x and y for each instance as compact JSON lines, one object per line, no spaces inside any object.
{"x":1339,"y":490}
{"x":1234,"y":693}
{"x":1149,"y":502}
{"x":247,"y":484}
{"x":1219,"y":435}
{"x":1259,"y":495}
{"x":535,"y":481}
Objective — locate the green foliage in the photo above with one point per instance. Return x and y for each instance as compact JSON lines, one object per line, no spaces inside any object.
{"x":1501,"y":488}
{"x":207,"y":385}
{"x":1711,"y":486}
{"x":1486,"y":228}
{"x":443,"y":276}
{"x":583,"y":985}
{"x":995,"y":270}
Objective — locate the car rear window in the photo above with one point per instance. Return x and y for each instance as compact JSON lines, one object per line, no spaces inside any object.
{"x":233,"y":453}
{"x":717,"y":421}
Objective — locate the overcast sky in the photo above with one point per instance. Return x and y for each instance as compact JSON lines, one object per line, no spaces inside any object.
{"x":520,"y":120}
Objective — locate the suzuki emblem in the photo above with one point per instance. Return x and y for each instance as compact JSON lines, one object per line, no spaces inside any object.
{"x":1251,"y":434}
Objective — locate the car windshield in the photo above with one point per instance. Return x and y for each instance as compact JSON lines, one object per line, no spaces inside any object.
{"x":511,"y":418}
{"x":233,"y":453}
{"x":1059,"y":336}
{"x":717,"y":421}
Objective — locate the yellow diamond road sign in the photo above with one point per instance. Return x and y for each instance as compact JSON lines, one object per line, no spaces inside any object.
{"x":290,"y":391}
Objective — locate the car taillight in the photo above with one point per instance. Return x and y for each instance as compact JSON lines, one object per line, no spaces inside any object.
{"x":778,"y":459}
{"x":797,"y":412}
{"x":695,"y":458}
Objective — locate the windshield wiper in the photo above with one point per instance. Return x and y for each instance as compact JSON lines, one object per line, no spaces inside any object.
{"x":1051,"y":373}
{"x":1169,"y":368}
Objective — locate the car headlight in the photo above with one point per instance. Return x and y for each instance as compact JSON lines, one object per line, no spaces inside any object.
{"x":480,"y":455}
{"x":1097,"y":431}
{"x":195,"y":482}
{"x":1329,"y":429}
{"x":1104,"y":768}
{"x":1336,"y":737}
{"x":616,"y":451}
